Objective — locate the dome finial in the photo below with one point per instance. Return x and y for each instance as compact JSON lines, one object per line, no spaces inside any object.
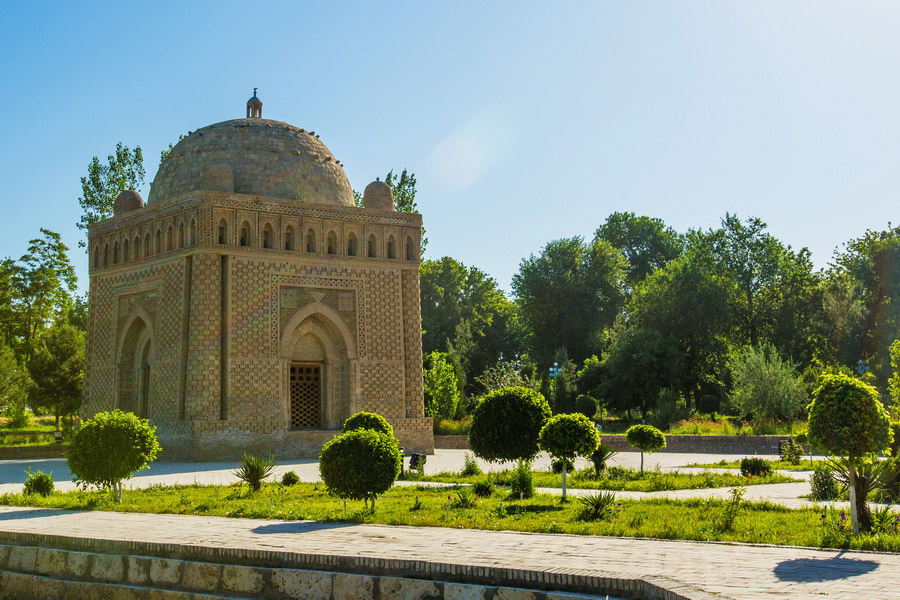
{"x":254,"y":107}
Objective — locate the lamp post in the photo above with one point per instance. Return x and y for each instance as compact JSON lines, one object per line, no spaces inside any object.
{"x":555,"y":370}
{"x":862,"y":367}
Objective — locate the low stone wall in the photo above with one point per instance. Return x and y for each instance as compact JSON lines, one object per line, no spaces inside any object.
{"x":700,"y":444}
{"x":32,"y":452}
{"x":36,"y":567}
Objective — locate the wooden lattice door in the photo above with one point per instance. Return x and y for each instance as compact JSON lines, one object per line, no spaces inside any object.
{"x":306,"y":395}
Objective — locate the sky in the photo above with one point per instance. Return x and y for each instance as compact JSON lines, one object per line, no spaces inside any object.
{"x":523,"y":121}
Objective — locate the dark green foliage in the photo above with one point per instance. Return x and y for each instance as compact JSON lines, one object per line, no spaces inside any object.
{"x":847,"y":419}
{"x":483,"y":489}
{"x":57,"y":370}
{"x":521,"y":482}
{"x":290,"y":478}
{"x":895,"y":443}
{"x":506,"y":424}
{"x":586,"y":405}
{"x":823,"y":484}
{"x":110,"y":448}
{"x":645,"y":438}
{"x":367,"y":420}
{"x":670,"y":408}
{"x":360,"y":464}
{"x":417,"y":462}
{"x":556,"y":465}
{"x":39,"y":483}
{"x":755,"y":467}
{"x":568,"y":436}
{"x":595,"y":507}
{"x":791,"y":451}
{"x":601,"y":457}
{"x":647,"y":243}
{"x":252,"y":470}
{"x":708,"y":404}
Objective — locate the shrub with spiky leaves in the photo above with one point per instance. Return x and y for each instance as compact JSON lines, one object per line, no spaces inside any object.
{"x":360,"y":464}
{"x":252,"y":470}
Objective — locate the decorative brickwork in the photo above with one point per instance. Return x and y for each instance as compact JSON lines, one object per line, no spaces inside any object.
{"x":219,"y":292}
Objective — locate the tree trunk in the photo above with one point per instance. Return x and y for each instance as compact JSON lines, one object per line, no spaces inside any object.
{"x":564,"y":481}
{"x":642,"y":462}
{"x":854,"y":515}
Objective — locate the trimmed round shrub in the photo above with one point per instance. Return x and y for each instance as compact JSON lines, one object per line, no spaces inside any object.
{"x":39,"y":483}
{"x":586,"y":406}
{"x":367,"y":420}
{"x":290,"y":478}
{"x":110,"y":448}
{"x":847,"y":419}
{"x":645,"y":438}
{"x":708,"y":404}
{"x":568,"y":436}
{"x":360,"y":464}
{"x":755,"y":467}
{"x":506,"y":424}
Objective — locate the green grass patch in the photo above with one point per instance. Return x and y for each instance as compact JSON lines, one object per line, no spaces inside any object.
{"x":776,"y":464}
{"x":439,"y":507}
{"x":616,"y":479}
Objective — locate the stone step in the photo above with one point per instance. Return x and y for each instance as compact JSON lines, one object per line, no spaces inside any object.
{"x":41,"y":573}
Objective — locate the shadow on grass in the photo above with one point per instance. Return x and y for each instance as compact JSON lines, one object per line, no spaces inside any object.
{"x":829,"y":569}
{"x":532,"y":508}
{"x":301,"y":527}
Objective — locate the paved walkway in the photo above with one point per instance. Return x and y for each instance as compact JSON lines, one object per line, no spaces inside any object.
{"x":742,"y":572}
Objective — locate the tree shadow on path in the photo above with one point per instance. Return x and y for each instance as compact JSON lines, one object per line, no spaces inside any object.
{"x":828,"y":569}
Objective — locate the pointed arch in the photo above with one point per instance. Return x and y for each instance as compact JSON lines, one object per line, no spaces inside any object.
{"x":391,"y":247}
{"x":352,"y":244}
{"x":311,"y":240}
{"x":267,"y":236}
{"x":289,"y":238}
{"x":331,"y":243}
{"x":136,"y":248}
{"x":96,"y":256}
{"x":181,"y":238}
{"x":372,"y":246}
{"x":323,"y":312}
{"x":115,"y":259}
{"x":244,"y":239}
{"x":126,"y":247}
{"x":223,"y":231}
{"x":169,"y":235}
{"x":410,"y":249}
{"x":192,"y":233}
{"x":106,"y":254}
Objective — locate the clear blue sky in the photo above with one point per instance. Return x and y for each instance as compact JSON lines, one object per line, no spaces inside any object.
{"x":523,"y":121}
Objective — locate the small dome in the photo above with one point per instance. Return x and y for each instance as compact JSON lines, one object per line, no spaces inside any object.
{"x":127,"y":201}
{"x":254,"y":107}
{"x":378,"y":195}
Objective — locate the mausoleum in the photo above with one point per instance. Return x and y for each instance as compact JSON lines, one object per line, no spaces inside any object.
{"x":250,"y":305}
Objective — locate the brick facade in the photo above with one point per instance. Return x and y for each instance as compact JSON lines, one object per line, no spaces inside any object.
{"x":201,"y":302}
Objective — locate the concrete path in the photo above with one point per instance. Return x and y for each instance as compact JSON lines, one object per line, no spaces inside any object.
{"x":734,"y":571}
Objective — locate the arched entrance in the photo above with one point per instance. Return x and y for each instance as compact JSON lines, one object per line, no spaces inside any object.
{"x":320,"y":354}
{"x":134,"y":368}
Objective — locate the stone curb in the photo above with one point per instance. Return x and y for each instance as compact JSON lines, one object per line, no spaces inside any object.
{"x":206,"y":569}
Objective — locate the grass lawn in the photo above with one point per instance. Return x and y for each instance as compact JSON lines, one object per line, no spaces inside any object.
{"x":433,"y":507}
{"x":776,"y":464}
{"x":629,"y":480}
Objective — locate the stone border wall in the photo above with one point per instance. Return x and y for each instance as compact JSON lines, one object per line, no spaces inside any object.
{"x":34,"y":566}
{"x":701,"y":444}
{"x":32,"y":452}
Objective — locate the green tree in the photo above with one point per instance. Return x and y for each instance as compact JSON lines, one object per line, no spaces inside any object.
{"x":842,"y":318}
{"x":645,"y":438}
{"x":57,"y":370}
{"x":767,"y":386}
{"x":124,"y":170}
{"x":441,"y":389}
{"x":506,"y":424}
{"x":894,"y":381}
{"x":110,"y":448}
{"x":567,"y":436}
{"x":43,"y":281}
{"x":647,"y":243}
{"x":847,"y":419}
{"x":568,"y":295}
{"x":13,"y":381}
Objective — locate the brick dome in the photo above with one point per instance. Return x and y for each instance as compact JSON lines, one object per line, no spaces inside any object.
{"x":253,"y":156}
{"x":127,"y":201}
{"x":378,"y":195}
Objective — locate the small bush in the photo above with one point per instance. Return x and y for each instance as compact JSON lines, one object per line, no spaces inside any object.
{"x":506,"y":424}
{"x":252,"y":470}
{"x":464,"y":499}
{"x":791,"y":451}
{"x":596,"y":507}
{"x":755,"y":467}
{"x":521,"y":481}
{"x":417,"y":463}
{"x":823,"y":484}
{"x":708,"y":404}
{"x":39,"y":483}
{"x":556,"y":465}
{"x":586,"y":405}
{"x":367,"y":420}
{"x":483,"y":489}
{"x":290,"y":478}
{"x":725,"y":521}
{"x":470,"y":466}
{"x":601,"y":458}
{"x":360,"y":464}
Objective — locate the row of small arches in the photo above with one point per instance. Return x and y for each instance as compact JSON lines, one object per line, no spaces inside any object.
{"x":115,"y":254}
{"x":331,"y":246}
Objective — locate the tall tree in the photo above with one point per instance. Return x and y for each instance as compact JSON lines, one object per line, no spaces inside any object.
{"x":13,"y":380}
{"x":124,"y":170}
{"x":568,"y":294}
{"x":57,"y":370}
{"x":647,"y":243}
{"x":44,"y":281}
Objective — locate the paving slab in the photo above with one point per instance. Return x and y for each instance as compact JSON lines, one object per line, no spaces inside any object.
{"x":734,"y":571}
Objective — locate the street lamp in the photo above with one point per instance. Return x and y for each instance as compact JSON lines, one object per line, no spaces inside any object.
{"x":862,"y":367}
{"x":554,"y":370}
